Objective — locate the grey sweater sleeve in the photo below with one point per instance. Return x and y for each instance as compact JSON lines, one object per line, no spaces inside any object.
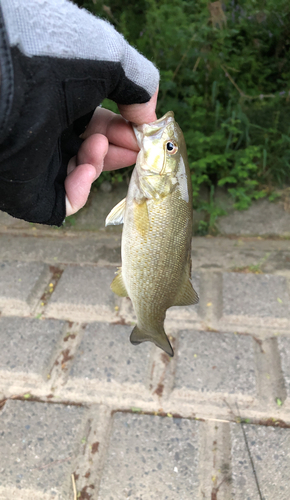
{"x":57,"y":63}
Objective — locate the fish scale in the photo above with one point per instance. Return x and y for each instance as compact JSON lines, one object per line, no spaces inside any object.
{"x":156,"y":239}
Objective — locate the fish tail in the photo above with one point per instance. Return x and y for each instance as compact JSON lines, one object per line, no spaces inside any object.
{"x":156,"y":335}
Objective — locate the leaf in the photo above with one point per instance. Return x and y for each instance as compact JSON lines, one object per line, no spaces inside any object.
{"x":227,"y":180}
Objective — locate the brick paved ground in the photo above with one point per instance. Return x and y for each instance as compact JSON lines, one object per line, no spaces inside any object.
{"x":77,"y":398}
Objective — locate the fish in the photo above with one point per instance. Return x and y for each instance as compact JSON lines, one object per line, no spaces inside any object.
{"x":157,"y":231}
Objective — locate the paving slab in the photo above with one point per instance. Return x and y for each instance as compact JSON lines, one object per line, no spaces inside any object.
{"x":151,"y":457}
{"x":27,"y":349}
{"x":215,"y":363}
{"x":261,"y":218}
{"x":106,"y":362}
{"x":58,"y":248}
{"x":268,"y":448}
{"x":218,"y":253}
{"x":39,"y":449}
{"x":270,"y":378}
{"x":261,"y":299}
{"x":284,"y":350}
{"x":83,"y":294}
{"x":21,"y":284}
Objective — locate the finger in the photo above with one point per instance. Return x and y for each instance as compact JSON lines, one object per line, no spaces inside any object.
{"x":112,"y":156}
{"x":84,"y":169}
{"x":99,"y":122}
{"x":114,"y":127}
{"x":140,"y":113}
{"x":119,"y":158}
{"x":93,"y":151}
{"x":77,"y":186}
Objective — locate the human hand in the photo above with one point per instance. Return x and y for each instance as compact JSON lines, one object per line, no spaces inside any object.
{"x":54,"y":74}
{"x":109,"y":144}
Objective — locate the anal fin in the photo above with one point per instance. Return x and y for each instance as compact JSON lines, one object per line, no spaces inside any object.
{"x":118,"y":285}
{"x":186,"y":295}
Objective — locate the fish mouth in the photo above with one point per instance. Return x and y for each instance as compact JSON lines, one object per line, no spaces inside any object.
{"x":154,"y":128}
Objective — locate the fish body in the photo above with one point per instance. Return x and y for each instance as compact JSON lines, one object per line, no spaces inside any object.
{"x":156,"y":239}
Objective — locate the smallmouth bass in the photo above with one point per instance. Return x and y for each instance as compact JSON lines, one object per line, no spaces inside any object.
{"x":157,"y":232}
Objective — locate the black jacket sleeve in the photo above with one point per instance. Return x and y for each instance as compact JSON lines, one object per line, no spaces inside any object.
{"x":57,"y":64}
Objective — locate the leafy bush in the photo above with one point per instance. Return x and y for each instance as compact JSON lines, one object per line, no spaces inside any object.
{"x":225,"y":72}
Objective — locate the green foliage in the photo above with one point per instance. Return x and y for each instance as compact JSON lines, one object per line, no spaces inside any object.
{"x":212,"y":211}
{"x":225,"y":73}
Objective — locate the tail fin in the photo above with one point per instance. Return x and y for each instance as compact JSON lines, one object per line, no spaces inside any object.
{"x":157,"y":336}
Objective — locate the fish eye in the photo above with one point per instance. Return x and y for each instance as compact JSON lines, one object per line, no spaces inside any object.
{"x":171,"y":147}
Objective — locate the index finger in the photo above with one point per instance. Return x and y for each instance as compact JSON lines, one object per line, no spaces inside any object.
{"x":114,"y":127}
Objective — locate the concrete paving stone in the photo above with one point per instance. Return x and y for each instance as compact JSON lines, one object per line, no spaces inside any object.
{"x":211,"y":362}
{"x":53,"y":246}
{"x":278,"y":261}
{"x":7,"y":220}
{"x":269,"y":450}
{"x":20,"y":282}
{"x":210,"y":306}
{"x":39,"y":447}
{"x":261,"y":218}
{"x":83,"y":294}
{"x":262,"y":296}
{"x":284,"y":350}
{"x":27,"y":347}
{"x":106,"y":357}
{"x":59,"y":248}
{"x":151,"y":457}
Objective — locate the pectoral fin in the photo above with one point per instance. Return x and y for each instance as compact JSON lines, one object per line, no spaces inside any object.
{"x":157,"y":336}
{"x":118,"y":285}
{"x":116,"y":216}
{"x":186,"y":295}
